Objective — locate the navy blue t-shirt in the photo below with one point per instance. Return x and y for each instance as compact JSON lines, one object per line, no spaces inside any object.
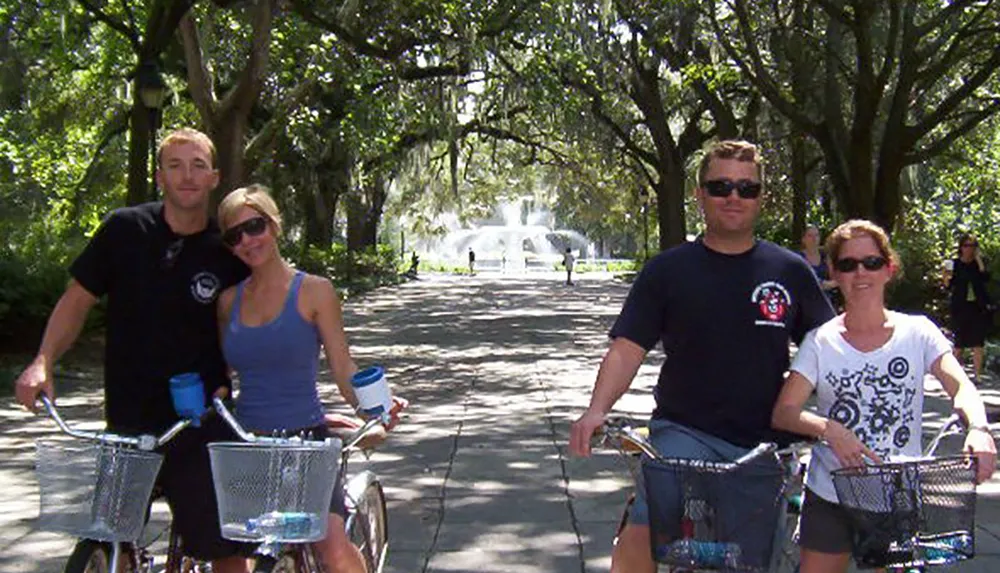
{"x":161,"y":317}
{"x":725,"y":322}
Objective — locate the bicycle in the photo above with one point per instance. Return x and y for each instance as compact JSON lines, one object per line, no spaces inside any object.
{"x":692,"y":531}
{"x":914,"y":514}
{"x":101,"y":493}
{"x":276,"y":490}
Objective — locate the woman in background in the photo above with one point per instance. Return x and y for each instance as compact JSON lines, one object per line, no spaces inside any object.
{"x":966,"y":278}
{"x":810,"y":251}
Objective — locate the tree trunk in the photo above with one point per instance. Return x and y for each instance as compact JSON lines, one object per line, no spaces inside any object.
{"x":670,"y":208}
{"x":800,"y":189}
{"x":228,"y":133}
{"x":138,"y":153}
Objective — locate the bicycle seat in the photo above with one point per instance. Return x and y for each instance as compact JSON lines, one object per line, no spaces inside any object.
{"x":343,"y":427}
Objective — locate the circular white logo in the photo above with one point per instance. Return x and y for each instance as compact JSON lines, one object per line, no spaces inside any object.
{"x":204,"y":287}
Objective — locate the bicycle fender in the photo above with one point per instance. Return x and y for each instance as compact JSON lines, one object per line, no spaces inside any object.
{"x":356,"y":485}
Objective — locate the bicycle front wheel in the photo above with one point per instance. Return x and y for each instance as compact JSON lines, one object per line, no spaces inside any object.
{"x":369,"y":528}
{"x":287,"y":563}
{"x":89,"y":556}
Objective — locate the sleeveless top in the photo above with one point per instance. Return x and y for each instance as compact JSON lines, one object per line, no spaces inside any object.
{"x":277,"y":365}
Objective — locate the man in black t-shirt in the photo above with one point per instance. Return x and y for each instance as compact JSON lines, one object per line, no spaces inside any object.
{"x":725,"y":308}
{"x":161,"y":267}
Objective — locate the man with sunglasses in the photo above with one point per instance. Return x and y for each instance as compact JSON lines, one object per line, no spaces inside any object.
{"x":161,"y":266}
{"x":725,"y":308}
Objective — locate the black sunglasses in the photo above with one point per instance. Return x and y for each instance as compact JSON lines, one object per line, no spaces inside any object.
{"x":252,"y":227}
{"x":849,"y":265}
{"x":171,"y":254}
{"x":724,"y":187}
{"x":970,"y":244}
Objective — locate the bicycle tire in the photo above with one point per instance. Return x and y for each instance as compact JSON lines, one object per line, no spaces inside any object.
{"x":369,"y":529}
{"x":89,"y":556}
{"x":285,"y":563}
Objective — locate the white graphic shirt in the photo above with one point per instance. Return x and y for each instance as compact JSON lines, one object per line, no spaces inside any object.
{"x":878,"y":395}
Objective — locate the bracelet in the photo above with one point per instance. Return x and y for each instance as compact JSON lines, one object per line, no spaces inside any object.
{"x":981,"y":428}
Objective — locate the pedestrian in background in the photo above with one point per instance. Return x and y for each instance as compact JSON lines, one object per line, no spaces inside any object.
{"x":966,"y":278}
{"x":568,"y":261}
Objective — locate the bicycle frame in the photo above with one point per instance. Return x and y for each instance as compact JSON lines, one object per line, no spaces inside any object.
{"x":143,"y":442}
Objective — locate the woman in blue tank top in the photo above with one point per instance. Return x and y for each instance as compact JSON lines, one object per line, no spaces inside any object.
{"x":272,"y":327}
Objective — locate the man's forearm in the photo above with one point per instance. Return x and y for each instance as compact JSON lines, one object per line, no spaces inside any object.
{"x":615,"y":376}
{"x":64,"y":326}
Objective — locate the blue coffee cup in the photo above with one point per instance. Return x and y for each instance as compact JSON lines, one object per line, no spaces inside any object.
{"x":188,"y":394}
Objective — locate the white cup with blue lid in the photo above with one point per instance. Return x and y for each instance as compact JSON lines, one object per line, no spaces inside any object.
{"x":372,"y":391}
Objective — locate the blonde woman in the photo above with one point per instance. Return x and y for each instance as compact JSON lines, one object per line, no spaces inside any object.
{"x":867,"y":368}
{"x":272,"y":326}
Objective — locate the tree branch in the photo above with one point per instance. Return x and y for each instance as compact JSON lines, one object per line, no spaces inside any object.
{"x":940,"y":145}
{"x":276,"y":124}
{"x":130,"y":34}
{"x":244,"y":93}
{"x":199,"y":79}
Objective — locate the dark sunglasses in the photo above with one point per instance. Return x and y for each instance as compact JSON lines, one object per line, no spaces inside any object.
{"x":252,"y":227}
{"x":724,"y":187}
{"x":970,"y":244}
{"x":849,"y":265}
{"x":171,"y":255}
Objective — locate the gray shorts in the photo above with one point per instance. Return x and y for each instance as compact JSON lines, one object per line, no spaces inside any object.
{"x":824,"y":526}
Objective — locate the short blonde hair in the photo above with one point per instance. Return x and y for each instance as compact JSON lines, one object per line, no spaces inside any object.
{"x":257,"y":197}
{"x":186,"y":135}
{"x":731,"y":149}
{"x":861,"y":228}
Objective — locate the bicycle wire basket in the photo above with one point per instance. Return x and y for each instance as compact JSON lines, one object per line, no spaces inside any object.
{"x":274,"y":492}
{"x":913,"y":513}
{"x":93,"y":490}
{"x":706,"y":516}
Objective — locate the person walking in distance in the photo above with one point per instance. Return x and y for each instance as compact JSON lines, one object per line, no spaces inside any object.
{"x":472,"y":261}
{"x":725,"y":308}
{"x":568,"y":261}
{"x":160,"y":267}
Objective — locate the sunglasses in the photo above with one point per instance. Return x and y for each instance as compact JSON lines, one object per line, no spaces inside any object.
{"x":252,"y":227}
{"x":724,"y":187}
{"x":849,"y":265}
{"x":970,"y":244}
{"x":171,"y":255}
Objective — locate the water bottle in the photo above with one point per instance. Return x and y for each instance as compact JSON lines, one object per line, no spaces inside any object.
{"x":948,"y":549}
{"x":704,"y":554}
{"x":283,"y":525}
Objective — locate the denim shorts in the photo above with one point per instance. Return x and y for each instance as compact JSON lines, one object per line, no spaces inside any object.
{"x":678,"y":441}
{"x":739,"y":507}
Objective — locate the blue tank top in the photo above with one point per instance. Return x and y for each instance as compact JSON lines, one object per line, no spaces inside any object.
{"x":277,"y":364}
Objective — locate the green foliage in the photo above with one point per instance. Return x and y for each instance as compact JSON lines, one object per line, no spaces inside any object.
{"x":353,"y":273}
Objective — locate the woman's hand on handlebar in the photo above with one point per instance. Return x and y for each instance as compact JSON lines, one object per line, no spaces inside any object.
{"x":36,"y":379}
{"x":582,"y":430}
{"x":850,"y":451}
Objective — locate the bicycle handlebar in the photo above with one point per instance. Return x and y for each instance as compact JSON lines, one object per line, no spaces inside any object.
{"x":623,"y":432}
{"x":146,"y":442}
{"x":348,"y":443}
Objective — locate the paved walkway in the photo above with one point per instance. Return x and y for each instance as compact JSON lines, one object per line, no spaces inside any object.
{"x":477,"y":476}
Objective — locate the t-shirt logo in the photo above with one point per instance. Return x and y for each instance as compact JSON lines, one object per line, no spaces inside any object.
{"x":204,"y":287}
{"x":772,"y":300}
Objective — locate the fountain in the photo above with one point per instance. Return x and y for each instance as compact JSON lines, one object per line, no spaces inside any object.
{"x":516,"y":237}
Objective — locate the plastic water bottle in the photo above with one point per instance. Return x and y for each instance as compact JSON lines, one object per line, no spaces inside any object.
{"x":704,"y":554}
{"x":948,"y":549}
{"x":282,"y":525}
